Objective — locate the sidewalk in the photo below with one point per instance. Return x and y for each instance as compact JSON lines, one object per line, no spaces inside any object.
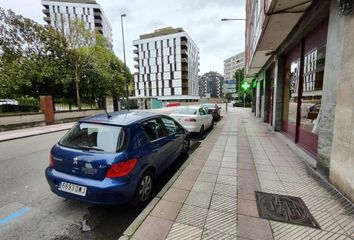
{"x":29,"y":132}
{"x":214,"y":196}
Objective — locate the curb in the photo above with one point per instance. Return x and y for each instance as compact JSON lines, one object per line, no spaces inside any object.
{"x":129,"y":232}
{"x":34,"y":134}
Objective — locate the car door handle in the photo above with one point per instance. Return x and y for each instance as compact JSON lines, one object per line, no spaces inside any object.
{"x":155,"y":149}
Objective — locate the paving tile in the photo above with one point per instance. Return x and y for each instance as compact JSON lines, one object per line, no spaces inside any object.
{"x":189,"y":174}
{"x":175,"y":195}
{"x":268,"y":176}
{"x":153,"y":228}
{"x":247,"y":173}
{"x":210,"y":163}
{"x":253,"y":228}
{"x":183,"y":184}
{"x":226,"y":190}
{"x":229,"y":159}
{"x":183,"y":232}
{"x":166,"y":209}
{"x":204,"y":187}
{"x":192,"y":215}
{"x":223,"y":222}
{"x":210,"y":169}
{"x":224,"y":179}
{"x":227,"y":164}
{"x":246,"y":166}
{"x":265,"y":168}
{"x":198,"y":199}
{"x":207,"y":177}
{"x":228,"y":171}
{"x":223,"y":203}
{"x":213,"y":235}
{"x":247,"y":207}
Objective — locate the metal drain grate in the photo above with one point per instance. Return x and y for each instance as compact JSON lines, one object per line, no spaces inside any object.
{"x":284,"y":209}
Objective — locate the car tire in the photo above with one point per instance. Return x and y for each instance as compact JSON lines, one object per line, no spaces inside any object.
{"x":143,"y":190}
{"x":201,"y":132}
{"x":186,"y":145}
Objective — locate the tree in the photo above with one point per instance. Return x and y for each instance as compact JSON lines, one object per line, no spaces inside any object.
{"x":33,"y":57}
{"x":80,"y":39}
{"x":239,"y":76}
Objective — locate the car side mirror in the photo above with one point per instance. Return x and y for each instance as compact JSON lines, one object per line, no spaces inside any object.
{"x":219,"y":107}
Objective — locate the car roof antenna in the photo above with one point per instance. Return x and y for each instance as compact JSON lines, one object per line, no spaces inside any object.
{"x":105,"y":110}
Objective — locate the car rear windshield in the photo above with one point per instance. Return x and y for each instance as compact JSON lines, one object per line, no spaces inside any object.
{"x":189,"y":111}
{"x":95,"y":137}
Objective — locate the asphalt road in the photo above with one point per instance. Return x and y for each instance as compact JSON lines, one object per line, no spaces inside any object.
{"x":29,"y":210}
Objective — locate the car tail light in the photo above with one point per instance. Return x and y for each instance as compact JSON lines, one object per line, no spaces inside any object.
{"x":51,"y":161}
{"x":190,"y":120}
{"x":121,"y":169}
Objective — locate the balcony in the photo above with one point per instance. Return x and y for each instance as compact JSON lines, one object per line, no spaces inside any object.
{"x":46,"y":12}
{"x":184,"y":52}
{"x":271,"y":28}
{"x":136,"y":51}
{"x":47,"y":19}
{"x":136,"y":58}
{"x":136,"y":66}
{"x":98,"y":22}
{"x":185,"y":68}
{"x":184,"y":43}
{"x":184,"y":60}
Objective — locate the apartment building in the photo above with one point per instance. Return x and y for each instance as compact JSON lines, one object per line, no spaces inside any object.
{"x":233,"y":63}
{"x":210,"y":84}
{"x":61,"y":13}
{"x":167,"y":63}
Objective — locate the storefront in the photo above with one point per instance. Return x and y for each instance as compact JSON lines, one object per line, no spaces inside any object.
{"x":303,"y":85}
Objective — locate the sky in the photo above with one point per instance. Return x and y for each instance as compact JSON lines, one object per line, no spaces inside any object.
{"x":201,"y":19}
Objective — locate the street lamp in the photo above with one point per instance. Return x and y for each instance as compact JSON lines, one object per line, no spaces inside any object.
{"x":233,"y":19}
{"x":125,"y":64}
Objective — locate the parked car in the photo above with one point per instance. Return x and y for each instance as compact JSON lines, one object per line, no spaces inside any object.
{"x":213,"y":109}
{"x":173,"y":104}
{"x":113,"y":159}
{"x":193,"y":118}
{"x":8,"y":102}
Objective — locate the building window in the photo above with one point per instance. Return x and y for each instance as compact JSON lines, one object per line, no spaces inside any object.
{"x":84,"y":10}
{"x":67,"y":10}
{"x":88,"y":11}
{"x":74,"y":10}
{"x":58,"y":9}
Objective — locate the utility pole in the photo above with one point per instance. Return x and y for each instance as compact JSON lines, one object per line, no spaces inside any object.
{"x":125,"y":64}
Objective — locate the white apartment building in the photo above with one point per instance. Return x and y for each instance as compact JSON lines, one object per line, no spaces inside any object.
{"x":61,"y":13}
{"x":233,"y":63}
{"x":167,"y":63}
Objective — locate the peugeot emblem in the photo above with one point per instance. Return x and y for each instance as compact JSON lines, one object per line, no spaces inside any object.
{"x":75,"y":162}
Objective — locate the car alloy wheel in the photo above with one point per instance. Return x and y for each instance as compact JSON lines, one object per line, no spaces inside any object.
{"x":186,"y":145}
{"x":143,"y":190}
{"x":201,"y":132}
{"x":145,"y":187}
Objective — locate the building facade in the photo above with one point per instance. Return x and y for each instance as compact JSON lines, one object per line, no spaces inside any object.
{"x":210,"y":85}
{"x":233,"y":63}
{"x":61,"y":13}
{"x":167,"y":63}
{"x":303,"y":79}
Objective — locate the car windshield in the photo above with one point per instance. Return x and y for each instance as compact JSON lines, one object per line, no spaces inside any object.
{"x":189,"y":111}
{"x":208,"y":105}
{"x":95,"y":137}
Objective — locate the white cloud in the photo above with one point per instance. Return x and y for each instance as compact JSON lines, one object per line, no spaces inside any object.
{"x":200,"y":18}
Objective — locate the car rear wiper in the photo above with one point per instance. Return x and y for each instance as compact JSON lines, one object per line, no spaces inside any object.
{"x":90,"y":148}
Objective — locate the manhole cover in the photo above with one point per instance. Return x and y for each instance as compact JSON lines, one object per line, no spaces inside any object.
{"x":284,"y":209}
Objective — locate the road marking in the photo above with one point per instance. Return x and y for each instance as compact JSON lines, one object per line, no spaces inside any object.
{"x":14,"y":215}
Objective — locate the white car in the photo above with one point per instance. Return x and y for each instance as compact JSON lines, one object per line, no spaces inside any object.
{"x":193,"y":118}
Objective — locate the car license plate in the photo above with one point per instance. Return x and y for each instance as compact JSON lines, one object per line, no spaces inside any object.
{"x":72,"y":188}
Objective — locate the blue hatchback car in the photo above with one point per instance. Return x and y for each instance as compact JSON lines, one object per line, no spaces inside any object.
{"x":113,"y":159}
